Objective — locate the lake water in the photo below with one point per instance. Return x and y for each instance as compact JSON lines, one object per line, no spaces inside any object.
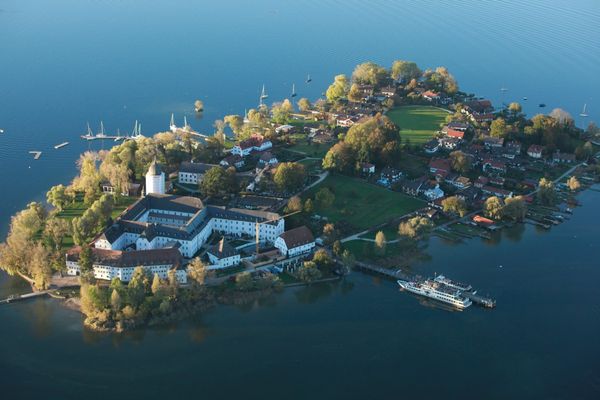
{"x":66,"y":62}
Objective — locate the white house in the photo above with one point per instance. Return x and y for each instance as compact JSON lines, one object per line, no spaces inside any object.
{"x":295,"y":242}
{"x":432,"y":191}
{"x":223,"y":255}
{"x":535,"y":151}
{"x":254,"y":143}
{"x":155,"y":179}
{"x":192,"y":173}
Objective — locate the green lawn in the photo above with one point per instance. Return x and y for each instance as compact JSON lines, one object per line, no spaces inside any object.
{"x":362,"y":204}
{"x":78,"y":208}
{"x":312,"y":166}
{"x":417,"y":123}
{"x":311,"y":150}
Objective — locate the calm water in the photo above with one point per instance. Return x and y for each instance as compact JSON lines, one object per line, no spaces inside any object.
{"x":66,"y":62}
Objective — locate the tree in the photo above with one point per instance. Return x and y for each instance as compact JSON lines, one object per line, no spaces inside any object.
{"x":115,"y":300}
{"x":281,"y":111}
{"x":370,"y":73}
{"x":308,"y":206}
{"x":515,"y":108}
{"x":546,"y":194}
{"x":172,"y":279}
{"x":455,"y":205}
{"x":217,"y":181}
{"x":324,"y":198}
{"x":573,"y":184}
{"x":57,"y":196}
{"x":414,"y":227}
{"x":355,"y":94}
{"x":405,"y":70}
{"x":498,"y":128}
{"x":492,"y":208}
{"x":197,"y":271}
{"x":39,"y":267}
{"x":337,"y":248}
{"x":304,"y":104}
{"x":515,"y":208}
{"x":137,"y":287}
{"x":380,"y":243}
{"x":330,"y":233}
{"x":348,"y":259}
{"x":441,"y":80}
{"x":584,"y":151}
{"x":244,"y":281}
{"x":289,"y":176}
{"x":55,"y":231}
{"x":339,"y":158}
{"x":322,"y":259}
{"x":338,"y":89}
{"x":308,"y":272}
{"x":156,"y":285}
{"x":294,"y":204}
{"x":460,"y":162}
{"x":235,"y":122}
{"x":562,"y":116}
{"x":199,"y":105}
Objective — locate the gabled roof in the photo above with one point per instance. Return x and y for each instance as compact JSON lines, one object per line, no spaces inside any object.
{"x":195,"y":168}
{"x":297,"y":237}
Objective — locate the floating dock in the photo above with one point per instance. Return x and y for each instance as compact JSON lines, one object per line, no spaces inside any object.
{"x":58,"y":146}
{"x":17,"y":297}
{"x":487,"y":302}
{"x":36,"y":154}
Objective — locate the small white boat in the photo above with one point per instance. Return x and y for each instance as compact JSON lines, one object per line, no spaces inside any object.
{"x":1,"y":130}
{"x":584,"y":113}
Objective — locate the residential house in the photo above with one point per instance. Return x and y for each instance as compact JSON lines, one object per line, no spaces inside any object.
{"x":295,"y":242}
{"x":450,"y":143}
{"x":191,"y":173}
{"x":535,"y":151}
{"x":388,"y":91}
{"x":481,"y":182}
{"x":431,"y":190}
{"x":412,"y":187}
{"x":267,"y":158}
{"x":564,"y":158}
{"x":439,"y":166}
{"x":459,"y":126}
{"x":367,"y":168}
{"x":254,"y":143}
{"x":430,"y":95}
{"x":432,"y":146}
{"x":389,"y":176}
{"x":232,"y":160}
{"x":346,"y":121}
{"x":494,"y":165}
{"x":490,"y":142}
{"x":495,"y":191}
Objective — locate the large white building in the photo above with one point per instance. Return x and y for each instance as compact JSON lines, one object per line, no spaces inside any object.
{"x":155,"y":179}
{"x":159,"y":222}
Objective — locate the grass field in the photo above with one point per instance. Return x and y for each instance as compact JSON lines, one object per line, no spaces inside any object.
{"x":362,"y":204}
{"x":78,"y":208}
{"x":417,"y":123}
{"x":311,"y":150}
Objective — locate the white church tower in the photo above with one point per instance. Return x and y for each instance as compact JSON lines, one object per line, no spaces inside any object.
{"x":155,"y":179}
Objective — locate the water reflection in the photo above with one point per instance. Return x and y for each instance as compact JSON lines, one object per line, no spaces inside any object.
{"x":312,"y":293}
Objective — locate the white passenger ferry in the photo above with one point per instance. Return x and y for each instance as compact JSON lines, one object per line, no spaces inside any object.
{"x":437,"y":291}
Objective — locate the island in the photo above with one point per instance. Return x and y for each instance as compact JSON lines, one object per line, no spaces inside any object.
{"x":161,"y":227}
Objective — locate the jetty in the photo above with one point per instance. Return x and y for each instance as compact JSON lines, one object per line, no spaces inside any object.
{"x":392,"y":274}
{"x":59,"y":146}
{"x":185,"y":129}
{"x":487,"y":302}
{"x":17,"y":297}
{"x":36,"y":154}
{"x":89,"y":135}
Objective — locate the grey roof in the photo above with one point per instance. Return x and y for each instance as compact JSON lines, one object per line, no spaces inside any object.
{"x":154,"y":169}
{"x":195,"y":168}
{"x":227,"y":251}
{"x":128,"y":259}
{"x":128,"y":222}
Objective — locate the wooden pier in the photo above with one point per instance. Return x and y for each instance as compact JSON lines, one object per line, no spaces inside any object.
{"x":17,"y":297}
{"x":487,"y":302}
{"x":393,"y":274}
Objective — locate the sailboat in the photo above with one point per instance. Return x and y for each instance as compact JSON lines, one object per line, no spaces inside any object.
{"x":263,"y":94}
{"x":504,"y":89}
{"x":584,"y":113}
{"x":294,"y":90}
{"x":101,"y":134}
{"x":308,"y":79}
